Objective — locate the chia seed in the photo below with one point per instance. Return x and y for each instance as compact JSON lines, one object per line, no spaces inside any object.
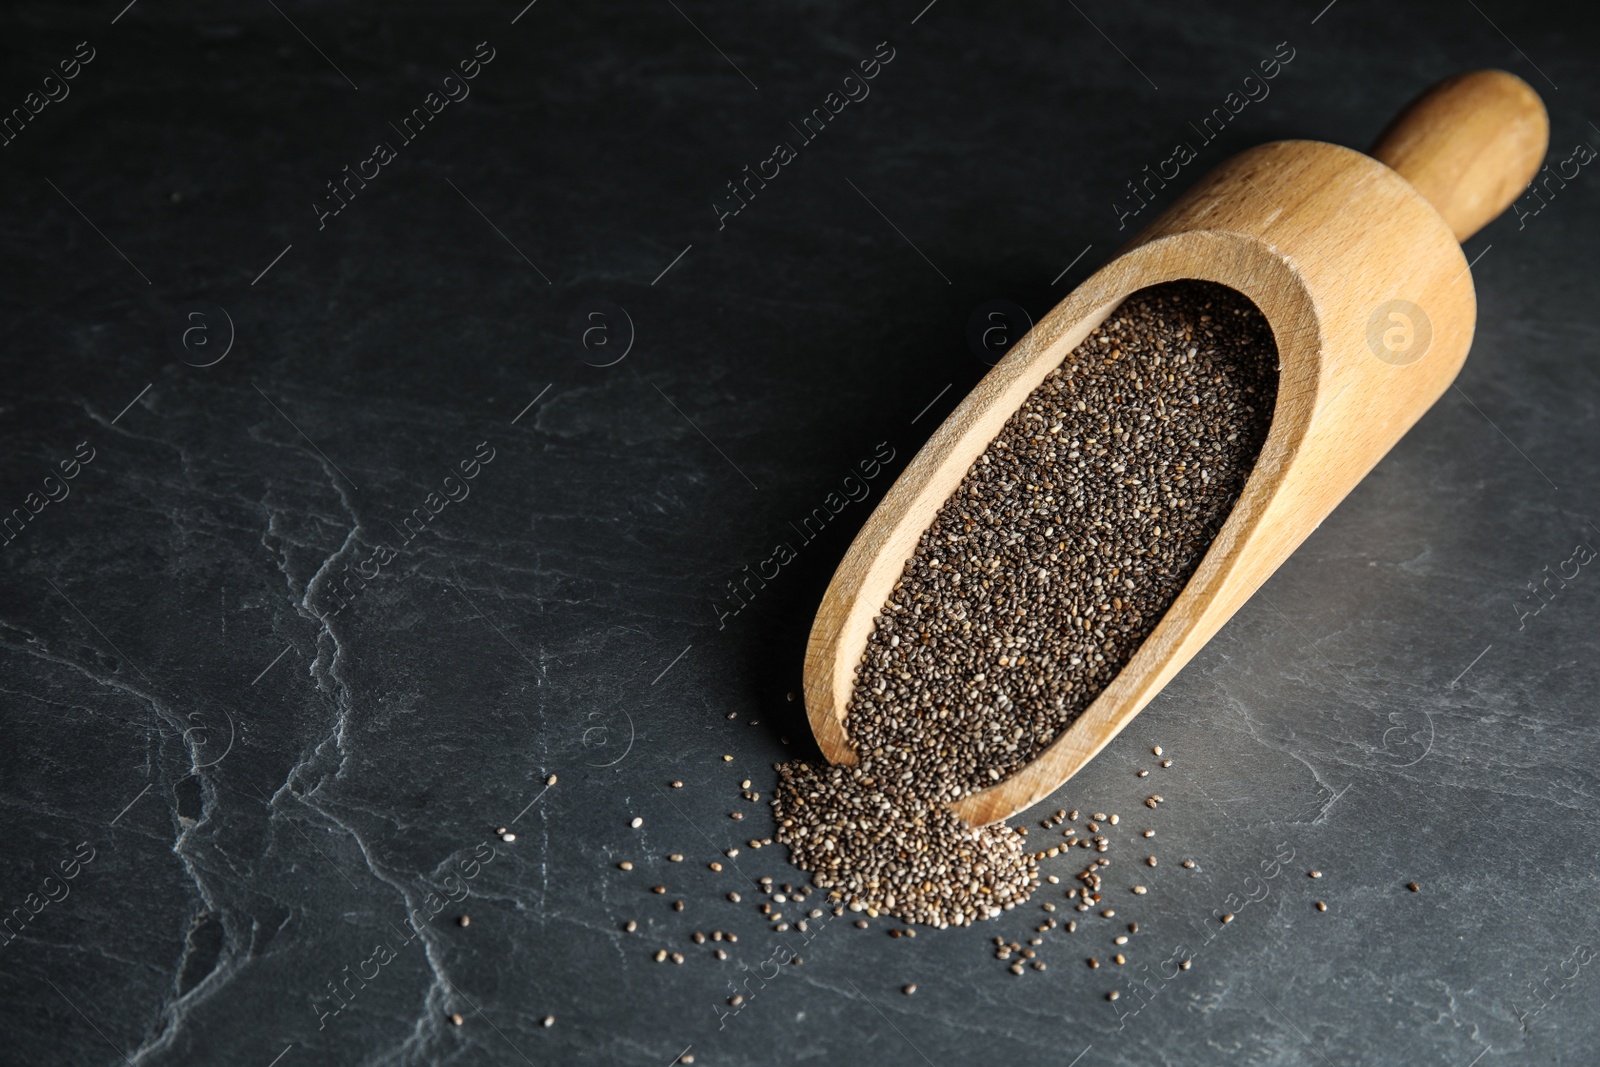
{"x":1040,"y":576}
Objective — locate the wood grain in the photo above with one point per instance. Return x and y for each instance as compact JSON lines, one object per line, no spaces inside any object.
{"x":1372,"y":307}
{"x":1469,"y":145}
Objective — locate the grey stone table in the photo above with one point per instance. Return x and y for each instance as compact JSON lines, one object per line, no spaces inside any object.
{"x":397,"y":397}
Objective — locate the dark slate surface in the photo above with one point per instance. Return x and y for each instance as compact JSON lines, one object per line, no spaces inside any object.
{"x":252,"y":792}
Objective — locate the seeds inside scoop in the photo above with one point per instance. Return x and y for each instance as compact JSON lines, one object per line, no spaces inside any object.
{"x":1040,"y":576}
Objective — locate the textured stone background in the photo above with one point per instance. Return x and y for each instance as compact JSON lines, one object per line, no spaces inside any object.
{"x":266,"y":794}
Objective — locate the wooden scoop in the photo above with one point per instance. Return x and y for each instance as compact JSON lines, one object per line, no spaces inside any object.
{"x":1355,"y":262}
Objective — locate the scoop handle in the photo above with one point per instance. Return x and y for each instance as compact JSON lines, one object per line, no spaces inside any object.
{"x":1469,"y":145}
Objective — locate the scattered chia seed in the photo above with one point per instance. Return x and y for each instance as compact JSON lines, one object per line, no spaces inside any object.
{"x":887,"y":845}
{"x":1050,"y":563}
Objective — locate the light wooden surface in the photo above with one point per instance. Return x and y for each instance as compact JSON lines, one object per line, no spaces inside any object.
{"x":1470,"y":145}
{"x":1370,"y":301}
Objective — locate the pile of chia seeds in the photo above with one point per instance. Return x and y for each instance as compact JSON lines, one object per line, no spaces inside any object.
{"x":1040,"y":576}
